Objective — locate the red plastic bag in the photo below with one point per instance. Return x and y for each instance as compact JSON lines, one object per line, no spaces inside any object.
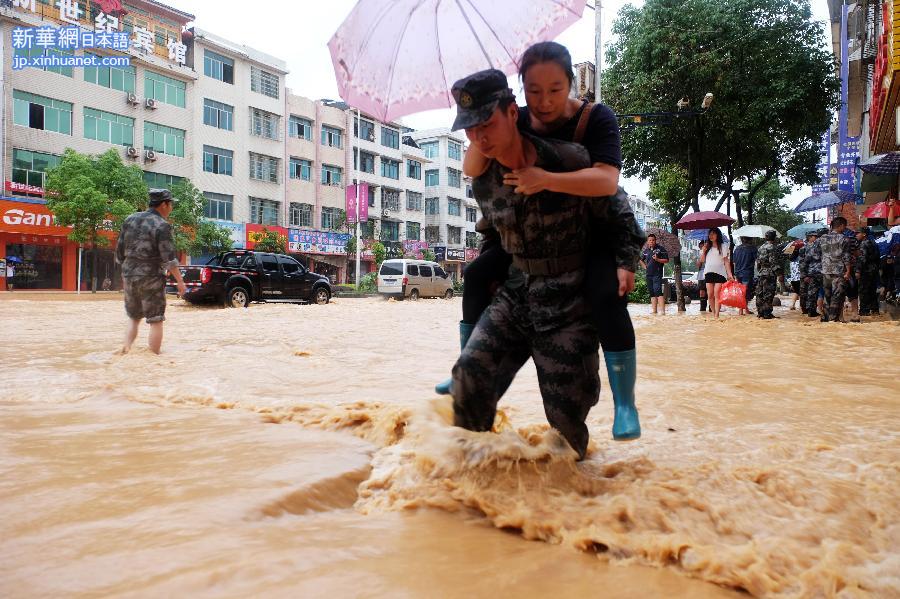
{"x":734,"y":294}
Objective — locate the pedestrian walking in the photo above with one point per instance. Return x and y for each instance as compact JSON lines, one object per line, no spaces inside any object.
{"x":744,"y":263}
{"x":836,"y":268}
{"x":794,"y":280}
{"x":146,"y":251}
{"x":716,"y":267}
{"x":867,"y":273}
{"x":653,"y":257}
{"x":768,"y":263}
{"x":8,"y":273}
{"x":811,"y":271}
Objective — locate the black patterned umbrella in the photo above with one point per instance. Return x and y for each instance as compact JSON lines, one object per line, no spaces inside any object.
{"x":882,"y":164}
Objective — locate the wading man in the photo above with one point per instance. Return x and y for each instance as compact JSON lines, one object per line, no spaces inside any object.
{"x":146,"y":252}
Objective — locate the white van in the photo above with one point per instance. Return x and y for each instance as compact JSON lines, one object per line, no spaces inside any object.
{"x":413,"y":279}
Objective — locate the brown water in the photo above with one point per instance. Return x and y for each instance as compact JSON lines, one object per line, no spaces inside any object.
{"x":299,"y":451}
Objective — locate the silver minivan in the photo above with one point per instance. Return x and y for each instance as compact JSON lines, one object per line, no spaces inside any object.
{"x":413,"y":279}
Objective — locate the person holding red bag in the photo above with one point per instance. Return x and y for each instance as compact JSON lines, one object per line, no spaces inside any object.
{"x":716,"y":267}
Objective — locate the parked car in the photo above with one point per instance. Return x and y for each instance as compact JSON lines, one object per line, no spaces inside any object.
{"x":413,"y":279}
{"x":239,"y":277}
{"x":688,"y":282}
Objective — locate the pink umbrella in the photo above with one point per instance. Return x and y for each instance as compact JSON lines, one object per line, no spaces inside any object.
{"x":704,"y":220}
{"x":397,"y":57}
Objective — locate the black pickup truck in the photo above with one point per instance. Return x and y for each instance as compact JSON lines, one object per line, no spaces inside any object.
{"x":238,"y":277}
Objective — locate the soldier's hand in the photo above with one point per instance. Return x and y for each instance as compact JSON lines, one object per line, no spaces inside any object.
{"x":182,"y":289}
{"x":626,"y":281}
{"x":527,"y":180}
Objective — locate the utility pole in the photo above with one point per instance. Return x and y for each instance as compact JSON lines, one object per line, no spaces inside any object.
{"x":598,"y":48}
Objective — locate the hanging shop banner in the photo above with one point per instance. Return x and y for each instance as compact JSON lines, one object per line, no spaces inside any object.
{"x":318,"y":242}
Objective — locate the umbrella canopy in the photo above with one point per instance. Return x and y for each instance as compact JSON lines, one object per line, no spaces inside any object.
{"x":13,"y":259}
{"x":879,"y":210}
{"x":667,"y":240}
{"x":398,"y":57}
{"x":704,"y":220}
{"x":802,"y":229}
{"x":701,"y":234}
{"x":882,"y":164}
{"x":758,"y":231}
{"x":825,"y":200}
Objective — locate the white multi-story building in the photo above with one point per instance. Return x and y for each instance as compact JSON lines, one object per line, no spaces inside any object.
{"x":450,"y":214}
{"x":646,"y":213}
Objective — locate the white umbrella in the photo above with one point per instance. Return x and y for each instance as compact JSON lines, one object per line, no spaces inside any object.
{"x":754,"y":231}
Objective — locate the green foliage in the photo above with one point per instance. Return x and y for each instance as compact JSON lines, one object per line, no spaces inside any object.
{"x":187,"y":210}
{"x":380,"y":252}
{"x":766,"y":207}
{"x":427,"y":254}
{"x":210,"y":239}
{"x":368,"y":283}
{"x":641,"y":293}
{"x":92,"y":194}
{"x":459,"y":286}
{"x":350,"y":248}
{"x":669,"y":190}
{"x":764,"y":60}
{"x":271,"y":241}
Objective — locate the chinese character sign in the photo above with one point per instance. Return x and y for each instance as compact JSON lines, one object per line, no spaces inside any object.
{"x":848,"y":154}
{"x":824,"y":166}
{"x":350,"y":203}
{"x":317,"y":242}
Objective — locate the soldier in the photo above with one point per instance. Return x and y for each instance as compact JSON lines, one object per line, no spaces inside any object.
{"x":811,"y":273}
{"x":837,"y":261}
{"x":541,"y":311}
{"x":146,"y":252}
{"x":768,"y":262}
{"x":867,"y":273}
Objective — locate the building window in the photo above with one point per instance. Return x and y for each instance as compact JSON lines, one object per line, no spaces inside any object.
{"x":301,"y":215}
{"x":165,"y":89}
{"x":430,"y":148}
{"x":331,"y":175}
{"x":368,"y":129}
{"x":48,"y":53}
{"x":301,"y":169}
{"x":38,"y":112}
{"x":413,"y":169}
{"x":390,"y":230}
{"x":331,"y":137}
{"x":300,"y":127}
{"x":432,"y":205}
{"x":263,"y":82}
{"x":331,"y":217}
{"x":264,"y":124}
{"x":469,"y":193}
{"x":264,"y":212}
{"x":108,"y":127}
{"x":218,"y":66}
{"x":433,"y":234}
{"x":471,"y":215}
{"x":390,"y":168}
{"x":390,"y":199}
{"x":371,"y":196}
{"x":218,"y":115}
{"x":217,"y":206}
{"x":366,"y":162}
{"x":432,"y":178}
{"x":453,"y":177}
{"x":454,"y":235}
{"x":413,"y":230}
{"x":454,"y":150}
{"x":162,"y":139}
{"x":264,"y":168}
{"x":390,"y":137}
{"x":471,"y":239}
{"x":414,"y":201}
{"x":120,"y":78}
{"x":30,"y":168}
{"x":217,"y":160}
{"x":454,"y":207}
{"x":160,"y":180}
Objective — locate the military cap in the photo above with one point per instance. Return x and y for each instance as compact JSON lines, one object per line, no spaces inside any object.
{"x":771,"y":235}
{"x":158,"y":196}
{"x":477,"y":96}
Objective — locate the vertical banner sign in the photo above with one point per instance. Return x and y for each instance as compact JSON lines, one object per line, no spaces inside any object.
{"x":824,"y":184}
{"x":848,"y":147}
{"x":350,"y":204}
{"x":363,"y":202}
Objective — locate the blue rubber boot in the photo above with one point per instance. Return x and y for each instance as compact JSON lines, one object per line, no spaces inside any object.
{"x":465,"y":331}
{"x":621,"y":366}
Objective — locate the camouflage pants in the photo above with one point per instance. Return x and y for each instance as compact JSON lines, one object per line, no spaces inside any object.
{"x":812,"y":293}
{"x":835,"y":294}
{"x":765,"y":293}
{"x":567,"y":365}
{"x":145,"y":297}
{"x":868,"y":298}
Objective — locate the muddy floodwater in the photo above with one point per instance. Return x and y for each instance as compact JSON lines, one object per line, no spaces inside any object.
{"x":299,"y":451}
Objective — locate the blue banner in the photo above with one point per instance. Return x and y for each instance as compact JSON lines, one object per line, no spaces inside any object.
{"x":848,"y":147}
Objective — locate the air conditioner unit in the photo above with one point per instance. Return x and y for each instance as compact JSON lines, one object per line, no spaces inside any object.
{"x":132,"y":99}
{"x":149,"y":154}
{"x":132,"y":152}
{"x":150,"y":103}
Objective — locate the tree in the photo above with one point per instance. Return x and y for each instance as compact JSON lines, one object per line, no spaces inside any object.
{"x":774,"y":87}
{"x":669,"y":189}
{"x":187,"y":211}
{"x":93,"y":195}
{"x":380,"y":252}
{"x":427,"y":254}
{"x":210,"y":239}
{"x":765,"y":208}
{"x":271,"y":241}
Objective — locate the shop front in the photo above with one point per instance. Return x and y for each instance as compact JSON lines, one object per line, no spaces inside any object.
{"x":255,"y":233}
{"x":324,"y":252}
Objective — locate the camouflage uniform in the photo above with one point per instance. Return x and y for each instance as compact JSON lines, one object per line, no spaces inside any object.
{"x":836,"y":251}
{"x":867,"y":273}
{"x":146,"y":250}
{"x":811,"y":268}
{"x":541,"y":311}
{"x":767,"y":263}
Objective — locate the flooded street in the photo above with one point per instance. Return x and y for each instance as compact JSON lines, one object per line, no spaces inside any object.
{"x":288,"y":450}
